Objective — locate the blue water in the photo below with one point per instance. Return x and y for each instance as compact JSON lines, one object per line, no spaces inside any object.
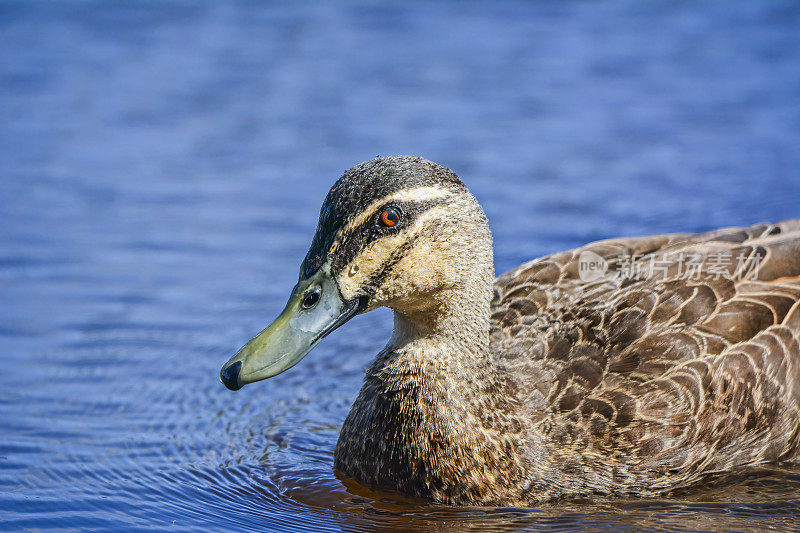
{"x":161,"y":170}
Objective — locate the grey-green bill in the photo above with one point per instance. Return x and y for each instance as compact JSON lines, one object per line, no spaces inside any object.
{"x":315,"y":308}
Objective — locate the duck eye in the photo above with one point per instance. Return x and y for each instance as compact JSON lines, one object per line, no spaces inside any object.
{"x":390,"y":217}
{"x":310,"y":299}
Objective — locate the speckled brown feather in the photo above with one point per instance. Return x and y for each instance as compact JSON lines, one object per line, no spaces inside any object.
{"x":642,"y":386}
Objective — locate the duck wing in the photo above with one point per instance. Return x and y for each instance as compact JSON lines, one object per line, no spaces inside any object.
{"x":655,"y":377}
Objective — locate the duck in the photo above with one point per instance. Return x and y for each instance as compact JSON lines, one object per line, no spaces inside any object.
{"x":573,"y":375}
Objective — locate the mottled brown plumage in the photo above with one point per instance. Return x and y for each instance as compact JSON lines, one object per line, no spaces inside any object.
{"x":642,"y":386}
{"x":540,"y":384}
{"x":618,"y":386}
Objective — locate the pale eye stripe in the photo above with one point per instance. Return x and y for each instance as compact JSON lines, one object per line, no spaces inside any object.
{"x":417,"y":194}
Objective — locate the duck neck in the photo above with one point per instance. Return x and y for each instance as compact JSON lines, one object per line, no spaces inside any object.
{"x":451,"y":330}
{"x":436,"y":415}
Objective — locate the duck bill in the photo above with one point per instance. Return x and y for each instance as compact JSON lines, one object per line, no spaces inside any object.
{"x":293,"y":334}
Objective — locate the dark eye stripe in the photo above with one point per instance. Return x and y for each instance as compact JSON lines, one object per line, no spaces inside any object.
{"x":408,"y":210}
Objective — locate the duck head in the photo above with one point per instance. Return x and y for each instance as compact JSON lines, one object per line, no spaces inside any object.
{"x":400,"y":232}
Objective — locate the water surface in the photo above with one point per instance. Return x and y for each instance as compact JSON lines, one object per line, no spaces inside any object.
{"x":162,"y":166}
